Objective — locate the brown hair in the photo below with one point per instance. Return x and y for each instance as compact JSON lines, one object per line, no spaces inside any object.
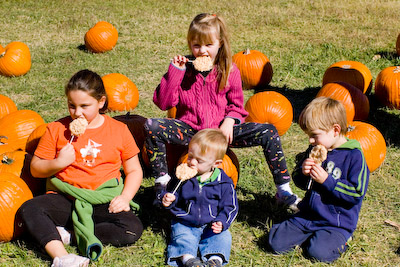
{"x":89,"y":82}
{"x":211,"y":140}
{"x":322,"y":113}
{"x":201,"y":29}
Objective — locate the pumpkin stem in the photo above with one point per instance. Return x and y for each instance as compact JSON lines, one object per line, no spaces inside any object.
{"x":6,"y":160}
{"x":3,"y":137}
{"x":350,"y":128}
{"x":397,"y":69}
{"x":2,"y":54}
{"x":246,"y":52}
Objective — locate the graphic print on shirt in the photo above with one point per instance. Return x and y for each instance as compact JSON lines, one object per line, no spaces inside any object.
{"x":89,"y":153}
{"x":335,"y":171}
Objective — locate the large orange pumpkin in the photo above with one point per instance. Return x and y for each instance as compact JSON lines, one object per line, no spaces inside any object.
{"x":6,"y":106}
{"x":15,"y":59}
{"x":387,"y":87}
{"x":18,"y":162}
{"x":255,"y":68}
{"x":122,"y":93}
{"x":354,"y":101}
{"x":352,"y":72}
{"x":34,"y":138}
{"x":17,"y":126}
{"x":371,"y":140}
{"x":101,"y":37}
{"x":270,"y":107}
{"x":13,"y":193}
{"x":230,"y":165}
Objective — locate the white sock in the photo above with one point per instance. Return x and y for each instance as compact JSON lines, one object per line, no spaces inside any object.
{"x":163,"y":180}
{"x":186,"y":257}
{"x":215,"y":257}
{"x":284,"y":189}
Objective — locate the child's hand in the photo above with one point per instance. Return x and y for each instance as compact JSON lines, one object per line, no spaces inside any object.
{"x":216,"y":227}
{"x":168,"y":199}
{"x":227,"y":128}
{"x":307,"y":165}
{"x":318,"y":174}
{"x":66,"y":156}
{"x":118,"y":204}
{"x":180,"y":61}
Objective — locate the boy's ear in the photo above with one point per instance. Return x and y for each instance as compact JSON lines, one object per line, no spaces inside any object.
{"x":217,"y":162}
{"x":337,"y":129}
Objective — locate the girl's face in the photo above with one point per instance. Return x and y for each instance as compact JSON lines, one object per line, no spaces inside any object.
{"x":81,"y":104}
{"x":209,"y":49}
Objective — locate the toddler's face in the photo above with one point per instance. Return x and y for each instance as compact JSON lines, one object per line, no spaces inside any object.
{"x":203,"y":163}
{"x":322,"y":137}
{"x":208,"y":49}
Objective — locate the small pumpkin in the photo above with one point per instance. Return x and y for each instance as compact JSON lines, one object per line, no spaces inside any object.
{"x":15,"y":59}
{"x":34,"y":138}
{"x":372,"y":142}
{"x":255,"y":68}
{"x":101,"y":37}
{"x":352,"y":72}
{"x":13,"y":193}
{"x":16,"y":127}
{"x":171,"y":113}
{"x":354,"y":101}
{"x":6,"y":106}
{"x":387,"y":87}
{"x":230,"y":165}
{"x":270,"y":107}
{"x":122,"y":93}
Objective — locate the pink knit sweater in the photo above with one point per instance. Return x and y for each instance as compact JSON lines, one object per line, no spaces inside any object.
{"x":198,"y":101}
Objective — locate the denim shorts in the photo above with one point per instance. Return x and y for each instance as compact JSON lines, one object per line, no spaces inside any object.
{"x":197,"y":240}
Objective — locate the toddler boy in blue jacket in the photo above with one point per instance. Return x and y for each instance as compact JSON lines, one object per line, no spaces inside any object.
{"x":329,"y":211}
{"x":204,"y":206}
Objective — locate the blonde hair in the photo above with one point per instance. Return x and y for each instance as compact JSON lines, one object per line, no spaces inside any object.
{"x":211,"y":140}
{"x":322,"y":113}
{"x":201,"y":29}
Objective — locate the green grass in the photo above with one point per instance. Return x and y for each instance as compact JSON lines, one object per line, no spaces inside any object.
{"x":301,"y":39}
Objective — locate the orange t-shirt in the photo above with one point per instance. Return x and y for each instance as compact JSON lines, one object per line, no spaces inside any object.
{"x":99,"y":152}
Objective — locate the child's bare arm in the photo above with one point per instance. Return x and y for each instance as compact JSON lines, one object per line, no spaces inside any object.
{"x":133,"y":180}
{"x":43,"y":168}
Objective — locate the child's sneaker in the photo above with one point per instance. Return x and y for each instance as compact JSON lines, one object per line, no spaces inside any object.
{"x":64,"y":234}
{"x":290,"y":200}
{"x":70,"y":260}
{"x":194,"y":262}
{"x":214,"y":263}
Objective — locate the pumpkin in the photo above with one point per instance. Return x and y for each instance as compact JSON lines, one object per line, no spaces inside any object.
{"x":15,"y":59}
{"x":4,"y":146}
{"x":354,"y":101}
{"x":101,"y":37}
{"x":6,"y":106}
{"x":398,"y":45}
{"x":230,"y":165}
{"x":17,"y":126}
{"x":352,"y":72}
{"x":122,"y":93}
{"x":171,"y":113}
{"x":135,"y":124}
{"x":387,"y":87}
{"x":255,"y":68}
{"x":34,"y":138}
{"x":18,"y":163}
{"x":371,"y":140}
{"x":270,"y":107}
{"x":13,"y":193}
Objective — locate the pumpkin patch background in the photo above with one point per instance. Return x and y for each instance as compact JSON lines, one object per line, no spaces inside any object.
{"x":301,"y":40}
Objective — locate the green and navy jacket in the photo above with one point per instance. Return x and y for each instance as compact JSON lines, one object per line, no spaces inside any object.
{"x":336,"y":203}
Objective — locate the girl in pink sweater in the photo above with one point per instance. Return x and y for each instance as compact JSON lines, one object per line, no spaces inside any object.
{"x":209,"y":99}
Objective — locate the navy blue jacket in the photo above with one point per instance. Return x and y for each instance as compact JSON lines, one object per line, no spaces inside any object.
{"x":215,"y":201}
{"x":336,"y":203}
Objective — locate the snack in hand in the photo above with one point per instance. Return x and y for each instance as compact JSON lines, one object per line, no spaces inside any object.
{"x":184,"y":172}
{"x":78,"y":126}
{"x":204,"y":63}
{"x":318,"y":154}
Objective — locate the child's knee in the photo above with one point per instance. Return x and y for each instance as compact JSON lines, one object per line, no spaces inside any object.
{"x":323,"y":254}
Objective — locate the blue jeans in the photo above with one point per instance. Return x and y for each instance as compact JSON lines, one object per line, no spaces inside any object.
{"x":193,"y":240}
{"x":324,"y":245}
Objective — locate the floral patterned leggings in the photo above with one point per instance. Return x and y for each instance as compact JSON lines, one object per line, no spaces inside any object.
{"x":172,"y":131}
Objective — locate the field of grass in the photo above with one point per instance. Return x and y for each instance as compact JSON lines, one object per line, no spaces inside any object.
{"x":301,"y":38}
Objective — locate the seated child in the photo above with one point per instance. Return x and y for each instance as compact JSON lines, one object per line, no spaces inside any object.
{"x":329,"y":211}
{"x":204,"y":206}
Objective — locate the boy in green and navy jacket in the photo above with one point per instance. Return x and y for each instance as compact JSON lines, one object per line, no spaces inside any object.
{"x":329,"y":211}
